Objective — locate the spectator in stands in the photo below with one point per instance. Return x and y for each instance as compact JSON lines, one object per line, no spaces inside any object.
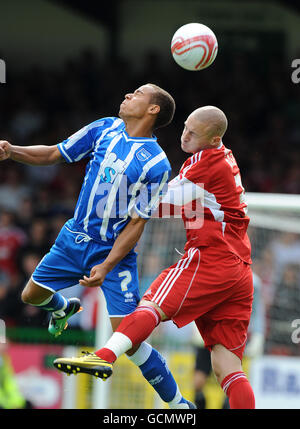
{"x":38,"y":237}
{"x":284,"y":310}
{"x":264,"y":266}
{"x":12,"y":239}
{"x":285,"y":250}
{"x":25,"y":214}
{"x":4,"y":286}
{"x":13,"y":190}
{"x":12,"y":310}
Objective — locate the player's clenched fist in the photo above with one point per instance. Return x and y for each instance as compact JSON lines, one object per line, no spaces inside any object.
{"x":97,"y":276}
{"x":5,"y":150}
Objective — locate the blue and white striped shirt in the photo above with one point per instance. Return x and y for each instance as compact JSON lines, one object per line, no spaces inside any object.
{"x":124,"y":174}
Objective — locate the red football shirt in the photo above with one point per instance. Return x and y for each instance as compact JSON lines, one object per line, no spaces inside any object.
{"x":215,"y":211}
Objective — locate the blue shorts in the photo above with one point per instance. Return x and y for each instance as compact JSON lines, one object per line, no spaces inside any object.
{"x":74,"y":254}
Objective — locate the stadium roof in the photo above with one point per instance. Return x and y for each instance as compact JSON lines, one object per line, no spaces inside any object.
{"x":103,"y":12}
{"x":107,"y":12}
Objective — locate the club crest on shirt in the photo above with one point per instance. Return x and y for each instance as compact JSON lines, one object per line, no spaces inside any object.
{"x":143,"y":155}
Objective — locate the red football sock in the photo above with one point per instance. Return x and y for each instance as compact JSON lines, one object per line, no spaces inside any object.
{"x":106,"y":354}
{"x":239,"y":391}
{"x":135,"y":327}
{"x":139,"y":325}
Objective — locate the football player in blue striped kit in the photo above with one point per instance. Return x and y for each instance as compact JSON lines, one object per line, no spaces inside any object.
{"x":126,"y":175}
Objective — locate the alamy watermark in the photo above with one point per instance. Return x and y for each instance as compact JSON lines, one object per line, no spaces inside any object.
{"x":296,"y":333}
{"x":2,"y":332}
{"x":2,"y":71}
{"x":295,"y":76}
{"x":176,"y":199}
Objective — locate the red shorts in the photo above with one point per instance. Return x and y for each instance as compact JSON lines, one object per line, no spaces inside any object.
{"x":211,"y":288}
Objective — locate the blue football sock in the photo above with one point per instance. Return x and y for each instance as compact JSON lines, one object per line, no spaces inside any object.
{"x":155,"y":370}
{"x":55,"y":303}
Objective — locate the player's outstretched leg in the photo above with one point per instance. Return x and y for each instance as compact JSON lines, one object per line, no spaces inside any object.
{"x":133,"y":330}
{"x":89,"y":363}
{"x":154,"y":369}
{"x":139,"y":323}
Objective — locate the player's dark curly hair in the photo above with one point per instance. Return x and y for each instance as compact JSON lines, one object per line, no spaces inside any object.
{"x":167,"y":106}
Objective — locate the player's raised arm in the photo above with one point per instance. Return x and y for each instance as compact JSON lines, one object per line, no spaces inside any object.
{"x":32,"y":155}
{"x":73,"y":149}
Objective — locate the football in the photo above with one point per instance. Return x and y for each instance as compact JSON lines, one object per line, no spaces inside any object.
{"x":194,"y":46}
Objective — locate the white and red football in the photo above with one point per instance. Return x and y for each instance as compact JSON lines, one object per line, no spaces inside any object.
{"x":194,"y":46}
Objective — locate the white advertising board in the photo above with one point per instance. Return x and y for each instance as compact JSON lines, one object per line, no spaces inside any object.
{"x":276,"y":382}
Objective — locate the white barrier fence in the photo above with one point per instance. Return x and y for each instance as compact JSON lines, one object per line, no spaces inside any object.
{"x":276,"y":382}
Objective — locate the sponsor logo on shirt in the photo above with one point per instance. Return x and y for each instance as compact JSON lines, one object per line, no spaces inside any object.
{"x":111,"y":167}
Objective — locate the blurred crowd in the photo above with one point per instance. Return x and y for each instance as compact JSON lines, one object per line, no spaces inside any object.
{"x":46,"y":106}
{"x":276,"y":260}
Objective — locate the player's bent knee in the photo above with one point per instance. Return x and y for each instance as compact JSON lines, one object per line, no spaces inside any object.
{"x":34,"y":294}
{"x":158,"y":309}
{"x":25,"y":296}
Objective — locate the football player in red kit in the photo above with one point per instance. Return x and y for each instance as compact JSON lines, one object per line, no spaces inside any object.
{"x":212,"y":283}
